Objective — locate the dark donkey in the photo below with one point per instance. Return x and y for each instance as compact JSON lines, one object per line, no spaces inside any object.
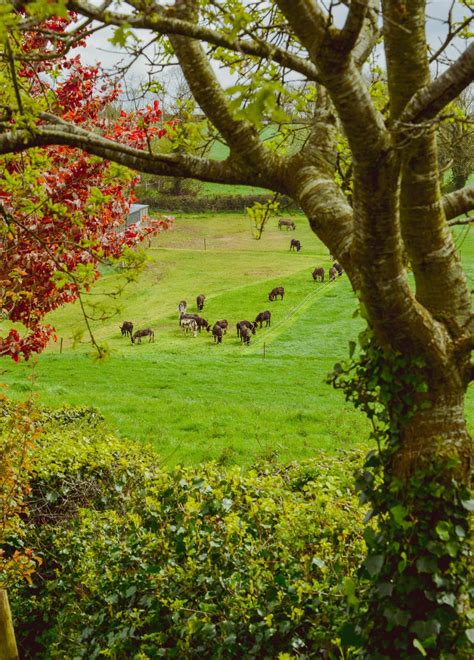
{"x":295,"y":245}
{"x":200,"y":301}
{"x":274,"y":293}
{"x":338,"y":267}
{"x":148,"y":332}
{"x":263,"y":317}
{"x":126,"y":328}
{"x":202,"y":323}
{"x":318,"y":274}
{"x":217,"y":333}
{"x":224,"y":324}
{"x":245,"y":335}
{"x":333,"y":274}
{"x":245,"y":324}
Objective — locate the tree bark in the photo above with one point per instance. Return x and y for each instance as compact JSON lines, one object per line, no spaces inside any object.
{"x":438,"y":432}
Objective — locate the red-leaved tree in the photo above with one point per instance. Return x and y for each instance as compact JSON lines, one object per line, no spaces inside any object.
{"x":62,"y":211}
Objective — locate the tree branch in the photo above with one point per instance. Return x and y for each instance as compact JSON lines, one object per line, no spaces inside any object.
{"x":431,"y":99}
{"x":349,"y":35}
{"x":441,"y":286}
{"x":181,"y":165}
{"x":240,"y":135}
{"x":368,"y":36}
{"x":159,"y":23}
{"x":459,"y":202}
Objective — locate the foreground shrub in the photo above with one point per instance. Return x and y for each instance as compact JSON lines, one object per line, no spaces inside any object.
{"x":200,"y":562}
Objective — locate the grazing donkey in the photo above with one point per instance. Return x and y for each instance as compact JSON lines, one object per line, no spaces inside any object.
{"x":274,"y":293}
{"x":200,"y":301}
{"x":245,"y":335}
{"x":263,"y":316}
{"x":332,"y":274}
{"x":318,"y":274}
{"x":223,"y":324}
{"x":217,"y":333}
{"x":182,"y":307}
{"x":137,"y":337}
{"x":183,"y":316}
{"x":202,"y":323}
{"x":295,"y":245}
{"x":190,"y":325}
{"x":338,"y":267}
{"x":246,"y":324}
{"x":288,"y":223}
{"x":126,"y":328}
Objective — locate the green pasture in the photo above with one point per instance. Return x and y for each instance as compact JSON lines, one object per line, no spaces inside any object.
{"x":194,"y":400}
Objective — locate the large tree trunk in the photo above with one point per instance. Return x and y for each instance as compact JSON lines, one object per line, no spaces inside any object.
{"x":418,"y":551}
{"x":436,"y":432}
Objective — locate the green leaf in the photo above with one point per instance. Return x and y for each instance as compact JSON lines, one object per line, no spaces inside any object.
{"x":426,"y":565}
{"x":443,"y":529}
{"x":419,"y":646}
{"x":468,"y":504}
{"x":316,"y":561}
{"x":349,"y":636}
{"x":425,"y":629}
{"x":447,"y":599}
{"x":460,"y":531}
{"x":399,"y":514}
{"x":373,"y":564}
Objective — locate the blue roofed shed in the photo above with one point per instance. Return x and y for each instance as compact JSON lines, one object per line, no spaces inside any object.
{"x":136,"y":214}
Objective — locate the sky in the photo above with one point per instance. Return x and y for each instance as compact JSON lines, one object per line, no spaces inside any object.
{"x":100,"y":50}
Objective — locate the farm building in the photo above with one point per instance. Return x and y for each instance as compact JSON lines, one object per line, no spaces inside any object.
{"x":136,"y":214}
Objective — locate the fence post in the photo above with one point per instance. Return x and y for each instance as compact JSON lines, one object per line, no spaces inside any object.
{"x":8,"y":648}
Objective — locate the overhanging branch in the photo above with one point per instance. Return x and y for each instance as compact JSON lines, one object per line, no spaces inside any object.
{"x":160,"y":23}
{"x":457,"y":203}
{"x":177,"y":165}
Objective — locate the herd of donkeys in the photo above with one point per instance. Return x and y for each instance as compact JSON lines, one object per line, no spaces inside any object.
{"x":194,"y":323}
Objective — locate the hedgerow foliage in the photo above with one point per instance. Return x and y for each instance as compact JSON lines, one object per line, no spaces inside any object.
{"x":207,"y":562}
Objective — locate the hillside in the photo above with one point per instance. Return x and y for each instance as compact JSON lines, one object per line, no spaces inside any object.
{"x":194,"y":400}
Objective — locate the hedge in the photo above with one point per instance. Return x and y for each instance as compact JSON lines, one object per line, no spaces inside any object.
{"x":194,"y":204}
{"x":200,"y":562}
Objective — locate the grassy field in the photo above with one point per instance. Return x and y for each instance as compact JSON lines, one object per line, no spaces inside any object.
{"x":194,"y":400}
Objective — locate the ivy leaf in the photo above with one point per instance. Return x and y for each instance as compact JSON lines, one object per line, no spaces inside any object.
{"x":399,"y":513}
{"x":460,"y":531}
{"x":374,"y":564}
{"x":419,"y":646}
{"x":468,"y":505}
{"x":426,"y":565}
{"x":349,"y":636}
{"x":425,"y":629}
{"x":443,"y":530}
{"x":447,"y":599}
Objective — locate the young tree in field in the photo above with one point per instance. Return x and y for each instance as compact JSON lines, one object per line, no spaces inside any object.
{"x":456,"y":143}
{"x":415,"y":366}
